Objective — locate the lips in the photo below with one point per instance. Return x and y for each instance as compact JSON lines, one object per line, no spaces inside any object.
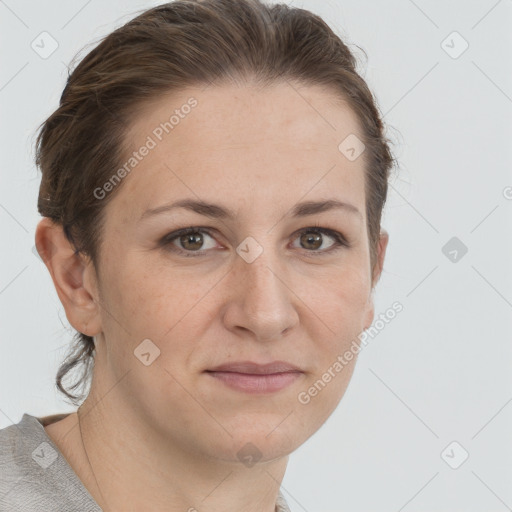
{"x":250,"y":377}
{"x":251,"y":368}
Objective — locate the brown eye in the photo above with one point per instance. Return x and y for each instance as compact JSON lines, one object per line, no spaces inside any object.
{"x":312,"y":238}
{"x":189,"y":242}
{"x":192,"y":241}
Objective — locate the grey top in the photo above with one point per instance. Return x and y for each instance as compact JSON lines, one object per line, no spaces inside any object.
{"x":35,"y":476}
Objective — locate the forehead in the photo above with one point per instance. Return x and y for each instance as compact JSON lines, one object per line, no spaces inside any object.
{"x":269,"y":145}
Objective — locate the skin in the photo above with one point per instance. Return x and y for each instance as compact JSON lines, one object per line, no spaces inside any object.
{"x":165,"y":436}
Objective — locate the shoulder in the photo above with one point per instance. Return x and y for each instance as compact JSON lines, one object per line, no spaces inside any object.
{"x":16,"y":442}
{"x":35,"y":475}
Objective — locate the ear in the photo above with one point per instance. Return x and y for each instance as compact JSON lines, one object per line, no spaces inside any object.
{"x":376,"y":273}
{"x":381,"y":253}
{"x":73,"y":276}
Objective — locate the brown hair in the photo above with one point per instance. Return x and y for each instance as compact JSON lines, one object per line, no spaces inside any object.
{"x":167,"y":48}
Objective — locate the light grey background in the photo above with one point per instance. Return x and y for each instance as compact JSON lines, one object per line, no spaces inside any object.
{"x":441,"y":370}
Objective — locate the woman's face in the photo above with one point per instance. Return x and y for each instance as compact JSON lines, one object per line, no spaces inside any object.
{"x":255,"y":286}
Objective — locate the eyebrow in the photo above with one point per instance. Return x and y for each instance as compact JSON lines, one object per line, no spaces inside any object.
{"x":216,"y":211}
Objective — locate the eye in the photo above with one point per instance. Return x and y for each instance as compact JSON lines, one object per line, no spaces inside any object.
{"x":313,"y":238}
{"x":189,"y":241}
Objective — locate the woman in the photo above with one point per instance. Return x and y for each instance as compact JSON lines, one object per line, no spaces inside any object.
{"x":212,"y":188}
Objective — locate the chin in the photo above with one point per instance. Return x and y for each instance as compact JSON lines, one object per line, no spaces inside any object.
{"x":253,"y":449}
{"x":265,"y":438}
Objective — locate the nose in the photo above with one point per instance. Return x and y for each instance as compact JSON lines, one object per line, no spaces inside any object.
{"x":260,"y":299}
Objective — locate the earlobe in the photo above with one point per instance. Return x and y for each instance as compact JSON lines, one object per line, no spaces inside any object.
{"x":377,"y":271}
{"x":370,"y":312}
{"x":67,"y":269}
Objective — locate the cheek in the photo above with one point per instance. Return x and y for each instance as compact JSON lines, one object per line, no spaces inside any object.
{"x":342,"y":309}
{"x":167,"y":307}
{"x":152,"y":299}
{"x":131,"y":305}
{"x":340,"y":298}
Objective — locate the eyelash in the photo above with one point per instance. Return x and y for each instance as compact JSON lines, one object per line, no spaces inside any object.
{"x":340,"y":241}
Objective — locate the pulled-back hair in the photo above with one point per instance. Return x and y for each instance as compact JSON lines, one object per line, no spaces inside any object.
{"x":167,"y":48}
